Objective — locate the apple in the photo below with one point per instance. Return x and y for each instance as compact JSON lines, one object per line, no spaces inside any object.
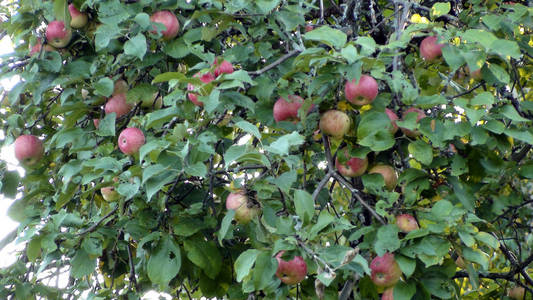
{"x":516,"y":293}
{"x":388,"y":294}
{"x":389,"y":175}
{"x":308,"y":28}
{"x":288,"y":111}
{"x":205,"y":78}
{"x":225,"y":67}
{"x":362,"y":93}
{"x":78,"y":19}
{"x":353,"y":167}
{"x":169,"y":20}
{"x":28,"y":149}
{"x":420,"y":115}
{"x":96,"y":123}
{"x":120,"y":87}
{"x":118,"y":105}
{"x":36,"y":49}
{"x":385,"y":270}
{"x":406,"y":223}
{"x":393,"y":118}
{"x":109,"y":193}
{"x":153,"y":102}
{"x":244,"y":210}
{"x":292,"y":271}
{"x":429,"y":49}
{"x":57,"y":35}
{"x":130,"y":140}
{"x":335,"y":123}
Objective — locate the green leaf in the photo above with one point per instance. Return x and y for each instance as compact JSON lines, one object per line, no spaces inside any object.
{"x":249,"y":127}
{"x":482,"y":37}
{"x":440,"y":8}
{"x":477,"y":256}
{"x":61,"y":12}
{"x":373,"y":131}
{"x":82,"y":264}
{"x":244,"y":263}
{"x":136,"y":46}
{"x":506,"y":48}
{"x":104,"y":87}
{"x":10,"y":183}
{"x":510,"y":112}
{"x":407,"y":265}
{"x":204,"y":254}
{"x":282,"y":144}
{"x":106,"y":127}
{"x":304,"y":205}
{"x":368,"y":45}
{"x":488,"y":239}
{"x":332,"y":37}
{"x":426,"y":102}
{"x":387,"y":239}
{"x":404,"y":290}
{"x":264,"y":270}
{"x":225,"y":225}
{"x":164,"y":263}
{"x":421,"y":151}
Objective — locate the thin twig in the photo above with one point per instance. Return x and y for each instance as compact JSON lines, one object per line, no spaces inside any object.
{"x":276,"y":63}
{"x":95,"y":225}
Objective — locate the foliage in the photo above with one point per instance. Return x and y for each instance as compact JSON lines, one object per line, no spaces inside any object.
{"x":466,"y":178}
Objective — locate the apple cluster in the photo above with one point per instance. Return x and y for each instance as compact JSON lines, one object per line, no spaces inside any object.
{"x":224,"y":67}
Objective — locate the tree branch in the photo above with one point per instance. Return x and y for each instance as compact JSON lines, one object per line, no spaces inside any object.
{"x":275,"y":63}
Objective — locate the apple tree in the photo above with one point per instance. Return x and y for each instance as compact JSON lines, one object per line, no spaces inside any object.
{"x":269,"y":149}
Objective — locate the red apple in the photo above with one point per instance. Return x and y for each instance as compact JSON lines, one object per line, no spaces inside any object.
{"x":225,"y":67}
{"x":244,"y":210}
{"x":516,"y":293}
{"x":78,"y":19}
{"x":292,"y":271}
{"x":57,"y":35}
{"x":393,"y":118}
{"x":120,"y":87}
{"x":388,"y":294}
{"x":288,"y":111}
{"x":205,"y":78}
{"x":406,"y":223}
{"x":362,"y":93}
{"x":429,"y":49}
{"x":308,"y":28}
{"x":385,"y":270}
{"x":118,"y":105}
{"x":389,"y":175}
{"x":169,"y":20}
{"x":130,"y":140}
{"x":109,"y":193}
{"x":353,"y":167}
{"x":96,"y":123}
{"x":335,"y":123}
{"x":36,"y":49}
{"x":28,"y":149}
{"x":420,"y":116}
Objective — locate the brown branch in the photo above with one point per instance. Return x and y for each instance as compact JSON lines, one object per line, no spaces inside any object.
{"x":95,"y":225}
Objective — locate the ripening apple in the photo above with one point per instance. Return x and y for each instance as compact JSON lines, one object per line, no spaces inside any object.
{"x":96,"y":123}
{"x":516,"y":293}
{"x":430,"y":49}
{"x":225,"y":67}
{"x":362,"y":93}
{"x":393,"y":118}
{"x":36,"y":49}
{"x":385,"y":270}
{"x":292,"y":271}
{"x":205,"y":78}
{"x":28,"y":149}
{"x":388,"y":294}
{"x":109,"y":193}
{"x":118,"y":105}
{"x":78,"y":19}
{"x":284,"y":110}
{"x":335,"y":123}
{"x":169,"y":20}
{"x":406,"y":223}
{"x":120,"y":87}
{"x":130,"y":140}
{"x":155,"y":102}
{"x":353,"y":167}
{"x":389,"y":175}
{"x":245,"y":211}
{"x":420,"y":115}
{"x":57,"y":35}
